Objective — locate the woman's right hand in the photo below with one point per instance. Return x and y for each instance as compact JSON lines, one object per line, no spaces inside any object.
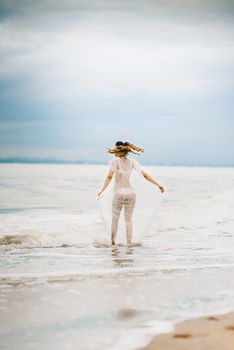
{"x":162,"y":189}
{"x":99,"y":194}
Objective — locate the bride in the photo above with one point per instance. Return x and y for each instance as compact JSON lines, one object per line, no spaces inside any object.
{"x":124,"y":195}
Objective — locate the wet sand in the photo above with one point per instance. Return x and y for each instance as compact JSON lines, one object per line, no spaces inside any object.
{"x":215,"y":332}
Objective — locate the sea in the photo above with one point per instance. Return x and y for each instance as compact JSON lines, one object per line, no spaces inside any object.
{"x":64,"y":287}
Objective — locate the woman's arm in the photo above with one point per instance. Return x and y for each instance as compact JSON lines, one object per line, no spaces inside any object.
{"x":150,"y":179}
{"x":107,"y":181}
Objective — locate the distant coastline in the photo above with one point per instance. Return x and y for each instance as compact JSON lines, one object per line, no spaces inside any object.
{"x":35,"y":160}
{"x":25,"y":160}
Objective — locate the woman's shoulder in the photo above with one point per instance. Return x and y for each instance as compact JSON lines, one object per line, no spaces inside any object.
{"x":136,"y":166}
{"x":134,"y":162}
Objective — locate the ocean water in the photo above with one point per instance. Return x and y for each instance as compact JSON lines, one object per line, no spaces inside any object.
{"x":62,"y":286}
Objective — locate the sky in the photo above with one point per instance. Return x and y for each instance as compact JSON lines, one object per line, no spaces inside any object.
{"x":78,"y":75}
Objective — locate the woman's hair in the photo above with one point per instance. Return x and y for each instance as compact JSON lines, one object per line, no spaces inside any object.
{"x":121,"y":149}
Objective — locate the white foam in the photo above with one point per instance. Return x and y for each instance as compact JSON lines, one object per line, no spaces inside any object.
{"x":137,"y":337}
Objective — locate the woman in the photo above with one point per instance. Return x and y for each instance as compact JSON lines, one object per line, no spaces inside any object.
{"x":124,"y":195}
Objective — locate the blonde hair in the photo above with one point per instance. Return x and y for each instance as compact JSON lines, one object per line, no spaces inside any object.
{"x":121,"y":149}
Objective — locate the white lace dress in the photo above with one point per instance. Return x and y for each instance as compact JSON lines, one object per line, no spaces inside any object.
{"x":124,"y":195}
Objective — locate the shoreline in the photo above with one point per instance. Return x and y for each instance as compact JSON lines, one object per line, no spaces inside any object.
{"x":215,"y":332}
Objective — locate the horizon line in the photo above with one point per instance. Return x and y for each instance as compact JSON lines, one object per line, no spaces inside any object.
{"x":37,"y":160}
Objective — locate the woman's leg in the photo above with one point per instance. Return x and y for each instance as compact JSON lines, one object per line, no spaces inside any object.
{"x":117,"y":205}
{"x":128,"y":211}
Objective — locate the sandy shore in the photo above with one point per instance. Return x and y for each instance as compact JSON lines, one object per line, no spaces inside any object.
{"x":205,"y":333}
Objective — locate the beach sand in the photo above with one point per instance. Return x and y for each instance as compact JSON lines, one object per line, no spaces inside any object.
{"x":215,"y":332}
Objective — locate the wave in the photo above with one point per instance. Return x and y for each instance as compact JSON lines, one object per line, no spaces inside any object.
{"x":53,"y":240}
{"x":72,"y":276}
{"x":17,"y":239}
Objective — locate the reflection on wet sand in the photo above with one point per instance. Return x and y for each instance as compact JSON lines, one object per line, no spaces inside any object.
{"x":122,"y":257}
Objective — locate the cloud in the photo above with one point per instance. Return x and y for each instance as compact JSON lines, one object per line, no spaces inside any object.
{"x":77,"y":74}
{"x":87,"y":62}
